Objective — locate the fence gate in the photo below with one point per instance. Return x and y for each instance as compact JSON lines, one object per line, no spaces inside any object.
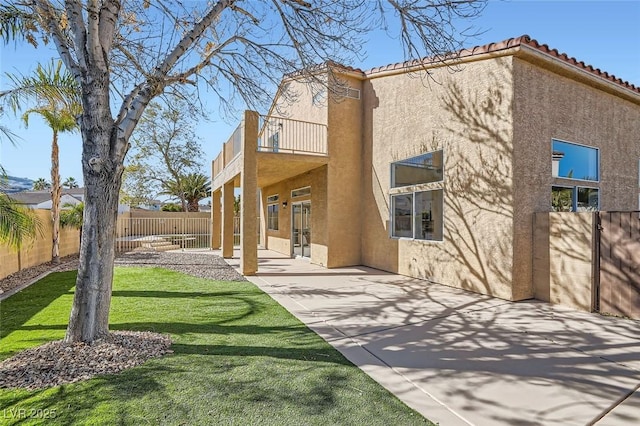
{"x":619,"y":263}
{"x":162,"y":234}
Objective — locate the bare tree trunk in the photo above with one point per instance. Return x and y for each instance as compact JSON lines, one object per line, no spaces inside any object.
{"x":90,"y":313}
{"x":55,"y":198}
{"x":102,"y":173}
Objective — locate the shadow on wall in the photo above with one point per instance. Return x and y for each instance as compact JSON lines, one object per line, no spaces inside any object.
{"x":563,"y":265}
{"x":476,"y":135}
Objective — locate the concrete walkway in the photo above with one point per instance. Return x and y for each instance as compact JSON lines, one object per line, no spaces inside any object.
{"x":461,"y":358}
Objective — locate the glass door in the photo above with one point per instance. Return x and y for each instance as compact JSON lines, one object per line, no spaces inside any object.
{"x":301,"y":229}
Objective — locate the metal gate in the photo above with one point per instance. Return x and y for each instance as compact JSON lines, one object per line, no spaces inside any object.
{"x":162,"y":234}
{"x":619,"y":263}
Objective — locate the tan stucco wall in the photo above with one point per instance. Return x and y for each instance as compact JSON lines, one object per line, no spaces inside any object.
{"x":39,"y":251}
{"x":468,"y":115}
{"x":549,"y":106}
{"x":303,"y":107}
{"x":280,"y":240}
{"x":563,"y":258}
{"x":344,"y":179}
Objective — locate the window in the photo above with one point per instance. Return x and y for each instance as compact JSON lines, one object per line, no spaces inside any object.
{"x":425,"y":168}
{"x":272,"y":212}
{"x":402,"y":212}
{"x":418,"y":215}
{"x":574,"y":199}
{"x":301,"y":192}
{"x":588,"y":199}
{"x":573,"y":161}
{"x":428,"y":215}
{"x":561,"y":199}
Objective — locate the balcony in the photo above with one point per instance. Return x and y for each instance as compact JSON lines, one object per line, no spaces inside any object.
{"x":284,"y":148}
{"x":285,"y":135}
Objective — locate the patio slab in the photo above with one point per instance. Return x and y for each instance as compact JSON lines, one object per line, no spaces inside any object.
{"x":462,"y":358}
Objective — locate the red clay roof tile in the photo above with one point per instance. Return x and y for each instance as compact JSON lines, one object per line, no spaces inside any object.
{"x":503,"y":45}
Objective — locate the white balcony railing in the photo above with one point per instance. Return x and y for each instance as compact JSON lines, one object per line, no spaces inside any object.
{"x":279,"y":134}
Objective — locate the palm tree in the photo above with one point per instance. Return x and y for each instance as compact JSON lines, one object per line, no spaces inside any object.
{"x":16,"y":222}
{"x":56,"y":95}
{"x":41,"y":184}
{"x":190,"y":189}
{"x":196,"y":186}
{"x":71,"y":215}
{"x":70,"y":183}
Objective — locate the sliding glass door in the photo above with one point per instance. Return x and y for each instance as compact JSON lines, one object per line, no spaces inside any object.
{"x":301,"y":229}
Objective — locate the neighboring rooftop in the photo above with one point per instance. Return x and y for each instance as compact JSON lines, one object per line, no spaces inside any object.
{"x":37,"y":197}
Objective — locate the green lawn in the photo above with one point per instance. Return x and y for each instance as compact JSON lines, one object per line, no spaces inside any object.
{"x":239,"y":358}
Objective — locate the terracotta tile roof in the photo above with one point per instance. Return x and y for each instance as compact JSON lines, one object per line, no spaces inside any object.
{"x":523,"y":40}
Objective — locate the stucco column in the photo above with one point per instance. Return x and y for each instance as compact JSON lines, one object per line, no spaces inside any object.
{"x":249,"y":185}
{"x":227,"y":219}
{"x":216,"y":221}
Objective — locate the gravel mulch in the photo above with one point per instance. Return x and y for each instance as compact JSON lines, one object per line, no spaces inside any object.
{"x":57,"y":363}
{"x":200,"y":265}
{"x":68,"y":263}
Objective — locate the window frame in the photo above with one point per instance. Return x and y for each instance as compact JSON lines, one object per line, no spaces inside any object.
{"x":413,"y":193}
{"x":574,"y":197}
{"x":273,"y":201}
{"x":306,"y":189}
{"x":392,"y":172}
{"x":598,"y":161}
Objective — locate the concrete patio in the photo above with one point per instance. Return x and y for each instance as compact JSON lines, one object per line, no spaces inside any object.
{"x":461,"y":358}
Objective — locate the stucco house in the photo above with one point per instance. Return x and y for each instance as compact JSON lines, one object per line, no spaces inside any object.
{"x":42,"y":199}
{"x":432,"y":168}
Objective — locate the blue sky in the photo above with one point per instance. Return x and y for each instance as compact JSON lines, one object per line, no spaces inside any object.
{"x":605,"y":34}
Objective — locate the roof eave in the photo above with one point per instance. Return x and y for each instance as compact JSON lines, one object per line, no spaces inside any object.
{"x":578,"y":73}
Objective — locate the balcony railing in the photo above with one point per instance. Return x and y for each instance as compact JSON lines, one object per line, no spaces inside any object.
{"x":230,"y":150}
{"x":278,"y":134}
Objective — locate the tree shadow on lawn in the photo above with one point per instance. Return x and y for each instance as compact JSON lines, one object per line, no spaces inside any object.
{"x":224,"y":390}
{"x":22,"y":306}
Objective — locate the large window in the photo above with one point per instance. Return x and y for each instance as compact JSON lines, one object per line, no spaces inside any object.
{"x":573,"y":161}
{"x":574,"y":199}
{"x":272,"y":212}
{"x":418,"y":215}
{"x":425,"y":168}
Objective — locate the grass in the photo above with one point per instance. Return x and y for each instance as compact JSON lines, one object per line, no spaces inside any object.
{"x":239,"y":358}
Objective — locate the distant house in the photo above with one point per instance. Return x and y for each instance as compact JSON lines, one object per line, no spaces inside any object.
{"x":153,"y":205}
{"x":42,"y":199}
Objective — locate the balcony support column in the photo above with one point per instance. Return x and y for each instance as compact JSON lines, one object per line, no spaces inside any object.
{"x":249,"y":200}
{"x":227,"y":219}
{"x":216,"y":220}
